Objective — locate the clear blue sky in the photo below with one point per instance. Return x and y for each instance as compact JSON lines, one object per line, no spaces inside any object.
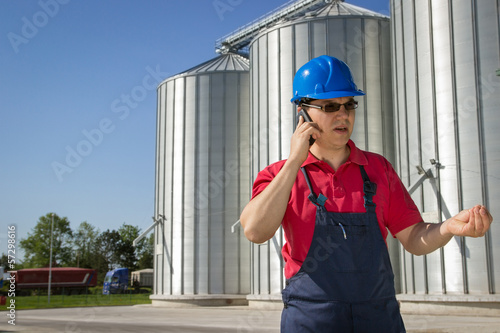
{"x":78,"y":100}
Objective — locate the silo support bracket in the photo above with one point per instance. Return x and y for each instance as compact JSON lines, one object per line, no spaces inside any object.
{"x":141,"y":236}
{"x":424,"y":175}
{"x":233,"y":227}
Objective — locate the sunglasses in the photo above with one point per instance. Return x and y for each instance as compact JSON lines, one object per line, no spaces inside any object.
{"x":351,"y":105}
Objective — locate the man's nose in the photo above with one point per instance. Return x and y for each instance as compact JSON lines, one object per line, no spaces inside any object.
{"x":342,"y":112}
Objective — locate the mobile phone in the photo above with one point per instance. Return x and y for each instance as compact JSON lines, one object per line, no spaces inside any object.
{"x":304,"y":114}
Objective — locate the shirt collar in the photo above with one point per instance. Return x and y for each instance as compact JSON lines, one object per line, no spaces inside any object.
{"x":356,"y":156}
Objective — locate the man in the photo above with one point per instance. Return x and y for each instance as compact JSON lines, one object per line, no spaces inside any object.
{"x":335,"y":203}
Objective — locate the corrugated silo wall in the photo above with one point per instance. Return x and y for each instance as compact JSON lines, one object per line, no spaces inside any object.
{"x":275,"y":56}
{"x":447,"y":98}
{"x":202,"y":183}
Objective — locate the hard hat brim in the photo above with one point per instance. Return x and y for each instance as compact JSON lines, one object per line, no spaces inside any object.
{"x":328,"y":95}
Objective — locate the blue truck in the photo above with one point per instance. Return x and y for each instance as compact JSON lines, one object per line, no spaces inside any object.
{"x":116,"y":281}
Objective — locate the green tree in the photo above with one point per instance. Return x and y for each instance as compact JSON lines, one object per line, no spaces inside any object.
{"x":105,"y":251}
{"x":146,"y":253}
{"x":113,"y":249}
{"x":37,"y":245}
{"x":84,"y":239}
{"x":127,"y":253}
{"x":4,"y":262}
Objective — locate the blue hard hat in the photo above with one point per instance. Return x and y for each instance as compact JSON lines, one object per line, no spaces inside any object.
{"x":324,"y":77}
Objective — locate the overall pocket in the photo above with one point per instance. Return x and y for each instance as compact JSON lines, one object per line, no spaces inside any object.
{"x":353,"y":244}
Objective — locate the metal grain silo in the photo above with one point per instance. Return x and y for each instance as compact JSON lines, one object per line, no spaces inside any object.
{"x":202,"y":183}
{"x":446,"y":96}
{"x":359,"y":37}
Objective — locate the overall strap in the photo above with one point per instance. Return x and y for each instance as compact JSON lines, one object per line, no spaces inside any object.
{"x":317,"y":200}
{"x":369,"y":189}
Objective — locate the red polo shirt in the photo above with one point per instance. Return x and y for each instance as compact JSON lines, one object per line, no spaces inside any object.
{"x":344,"y":191}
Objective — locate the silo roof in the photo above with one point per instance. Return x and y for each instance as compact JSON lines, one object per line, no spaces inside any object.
{"x":223,"y":63}
{"x":345,"y":9}
{"x":228,"y":62}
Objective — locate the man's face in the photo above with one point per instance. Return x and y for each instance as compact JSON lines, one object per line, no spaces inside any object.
{"x":336,"y":127}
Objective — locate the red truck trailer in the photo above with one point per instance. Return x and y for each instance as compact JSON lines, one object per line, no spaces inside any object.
{"x":67,"y":280}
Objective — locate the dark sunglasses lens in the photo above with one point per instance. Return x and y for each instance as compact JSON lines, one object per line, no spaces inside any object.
{"x":336,"y":106}
{"x":351,"y":105}
{"x":332,"y":107}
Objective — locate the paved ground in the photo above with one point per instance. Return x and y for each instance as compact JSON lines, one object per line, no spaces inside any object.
{"x":240,"y":319}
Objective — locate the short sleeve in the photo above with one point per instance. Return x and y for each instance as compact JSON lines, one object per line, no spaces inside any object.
{"x":265,"y":176}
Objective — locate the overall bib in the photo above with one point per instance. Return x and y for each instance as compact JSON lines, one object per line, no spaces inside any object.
{"x":346,"y":283}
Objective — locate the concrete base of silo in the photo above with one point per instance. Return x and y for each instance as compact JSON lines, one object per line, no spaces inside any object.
{"x":180,"y":301}
{"x":458,"y":305}
{"x":265,"y":302}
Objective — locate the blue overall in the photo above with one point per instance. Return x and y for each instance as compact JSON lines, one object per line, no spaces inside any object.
{"x":346,"y":283}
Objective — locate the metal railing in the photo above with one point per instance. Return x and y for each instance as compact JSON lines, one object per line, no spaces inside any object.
{"x":242,"y":36}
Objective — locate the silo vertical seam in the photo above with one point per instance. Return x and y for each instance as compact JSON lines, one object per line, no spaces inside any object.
{"x":327,"y":41}
{"x":408,"y":161}
{"x":457,"y":141}
{"x":238,"y":184}
{"x":252,"y":165}
{"x":417,"y":98}
{"x":157,"y":190}
{"x":482,"y":154}
{"x":223,"y":215}
{"x":407,"y":148}
{"x":171,"y":204}
{"x":294,"y":70}
{"x":280,"y":136}
{"x":258,"y":122}
{"x":164,"y":171}
{"x":395,"y":89}
{"x":385,"y":127}
{"x":268,"y":152}
{"x":363,"y":61}
{"x":382,"y":83}
{"x":310,"y":41}
{"x":488,"y":234}
{"x":259,"y":138}
{"x":419,"y":129}
{"x":209,"y":197}
{"x":403,"y":271}
{"x":364,"y":71}
{"x":344,"y":38}
{"x":157,"y":146}
{"x":255,"y":156}
{"x":183,"y":173}
{"x":166,"y":219}
{"x":278,"y":75}
{"x":164,"y":231}
{"x":498,"y":26}
{"x":155,"y":211}
{"x":436,"y":141}
{"x":196,"y":219}
{"x":161,"y":187}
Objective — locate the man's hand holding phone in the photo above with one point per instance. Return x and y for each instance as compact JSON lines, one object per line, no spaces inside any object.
{"x":307,"y":118}
{"x":302,"y":138}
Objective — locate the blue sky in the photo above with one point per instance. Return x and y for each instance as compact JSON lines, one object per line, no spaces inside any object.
{"x":78,"y":100}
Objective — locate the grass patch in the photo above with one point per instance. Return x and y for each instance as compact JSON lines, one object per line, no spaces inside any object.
{"x":65,"y":301}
